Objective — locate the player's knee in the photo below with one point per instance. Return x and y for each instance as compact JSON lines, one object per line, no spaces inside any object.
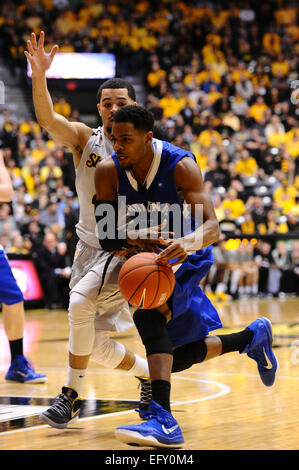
{"x":80,"y":309}
{"x":188,"y":354}
{"x":151,"y":326}
{"x":106,"y":351}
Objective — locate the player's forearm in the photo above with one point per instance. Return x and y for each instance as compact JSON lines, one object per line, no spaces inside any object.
{"x":205,"y":235}
{"x":42,"y":101}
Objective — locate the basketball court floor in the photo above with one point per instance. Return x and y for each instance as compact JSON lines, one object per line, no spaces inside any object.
{"x":220,"y":404}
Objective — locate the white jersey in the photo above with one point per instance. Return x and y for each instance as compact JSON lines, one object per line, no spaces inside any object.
{"x":97,"y":148}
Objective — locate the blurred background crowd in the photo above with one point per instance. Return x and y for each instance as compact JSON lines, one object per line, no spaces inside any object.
{"x":222,"y":81}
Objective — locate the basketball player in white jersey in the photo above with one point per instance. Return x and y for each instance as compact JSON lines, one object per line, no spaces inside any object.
{"x":12,"y":300}
{"x":95,"y":307}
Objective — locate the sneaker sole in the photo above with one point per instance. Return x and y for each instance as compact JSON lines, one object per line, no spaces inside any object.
{"x":135,"y":439}
{"x":32,"y":381}
{"x":51,"y":423}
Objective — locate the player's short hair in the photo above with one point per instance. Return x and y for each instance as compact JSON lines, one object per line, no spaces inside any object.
{"x":115,"y":83}
{"x":137,"y":115}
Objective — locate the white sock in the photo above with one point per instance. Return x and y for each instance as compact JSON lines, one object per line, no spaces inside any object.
{"x":140,"y":368}
{"x":255,"y":289}
{"x":75,"y":379}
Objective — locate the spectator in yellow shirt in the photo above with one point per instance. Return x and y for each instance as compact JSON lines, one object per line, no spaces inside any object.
{"x":50,"y":169}
{"x":234,"y":204}
{"x":248,"y":226}
{"x":170,"y":105}
{"x":247,"y":165}
{"x":285,"y":15}
{"x":280,"y":67}
{"x":63,"y":107}
{"x":210,"y":137}
{"x":272,"y":42}
{"x":285,"y":196}
{"x":258,"y":110}
{"x":155,"y":76}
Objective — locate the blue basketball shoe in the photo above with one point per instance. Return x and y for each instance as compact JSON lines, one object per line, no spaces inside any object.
{"x":22,"y":371}
{"x":160,"y":430}
{"x":260,"y":349}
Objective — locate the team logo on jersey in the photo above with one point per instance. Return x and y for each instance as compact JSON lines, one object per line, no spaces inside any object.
{"x":93,"y":160}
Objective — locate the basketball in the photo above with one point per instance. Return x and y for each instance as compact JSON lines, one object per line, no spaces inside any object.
{"x":144,"y":283}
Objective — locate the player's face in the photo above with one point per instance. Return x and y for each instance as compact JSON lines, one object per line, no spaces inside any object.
{"x":131,"y":145}
{"x":112,"y":100}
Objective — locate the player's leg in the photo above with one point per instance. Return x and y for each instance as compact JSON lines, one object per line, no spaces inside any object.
{"x":12,"y":300}
{"x":161,"y":429}
{"x":20,"y":370}
{"x":255,"y":340}
{"x":66,"y":406}
{"x":113,"y":355}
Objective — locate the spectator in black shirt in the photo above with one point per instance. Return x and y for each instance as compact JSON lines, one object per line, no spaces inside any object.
{"x":50,"y":262}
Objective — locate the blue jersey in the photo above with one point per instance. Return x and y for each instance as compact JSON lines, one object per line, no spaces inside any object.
{"x":193,"y":314}
{"x":159,"y":198}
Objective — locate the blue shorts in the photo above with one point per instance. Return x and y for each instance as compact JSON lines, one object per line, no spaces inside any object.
{"x":10,"y":293}
{"x":193,"y":315}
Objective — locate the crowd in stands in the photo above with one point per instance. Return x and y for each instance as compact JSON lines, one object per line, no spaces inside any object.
{"x":221,"y":79}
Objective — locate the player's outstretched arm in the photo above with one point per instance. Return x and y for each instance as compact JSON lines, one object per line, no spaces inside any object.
{"x":73,"y":135}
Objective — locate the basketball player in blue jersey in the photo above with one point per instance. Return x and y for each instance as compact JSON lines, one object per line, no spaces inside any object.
{"x":90,"y":318}
{"x":12,"y":300}
{"x":151,"y":173}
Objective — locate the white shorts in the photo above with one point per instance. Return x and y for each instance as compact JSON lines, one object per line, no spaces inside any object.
{"x":95,"y":276}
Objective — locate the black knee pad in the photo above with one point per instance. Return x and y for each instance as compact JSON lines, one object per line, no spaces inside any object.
{"x":151,"y":326}
{"x":185,"y":356}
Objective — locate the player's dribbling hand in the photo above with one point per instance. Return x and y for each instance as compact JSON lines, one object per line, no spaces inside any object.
{"x":149,"y":239}
{"x":39,"y":60}
{"x":174,"y":251}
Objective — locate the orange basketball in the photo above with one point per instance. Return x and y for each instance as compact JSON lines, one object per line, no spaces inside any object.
{"x":144,"y":283}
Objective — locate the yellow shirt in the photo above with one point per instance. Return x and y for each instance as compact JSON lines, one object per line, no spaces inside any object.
{"x":236,"y":207}
{"x":248,"y":227}
{"x":271,"y":42}
{"x":285,"y":198}
{"x":38,"y":154}
{"x":45,"y":172}
{"x":209,"y":137}
{"x":154,"y":78}
{"x":257,"y":111}
{"x":63,"y":108}
{"x":246,"y":167}
{"x":276,"y":140}
{"x":25,"y":127}
{"x":170,"y":106}
{"x":292,"y":148}
{"x":282,"y":67}
{"x":237,"y":74}
{"x":285,"y":15}
{"x":293,"y":31}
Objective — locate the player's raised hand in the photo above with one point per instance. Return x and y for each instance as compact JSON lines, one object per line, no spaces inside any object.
{"x":39,"y":60}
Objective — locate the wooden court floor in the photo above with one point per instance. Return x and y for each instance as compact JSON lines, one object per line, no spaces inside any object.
{"x":220,"y":404}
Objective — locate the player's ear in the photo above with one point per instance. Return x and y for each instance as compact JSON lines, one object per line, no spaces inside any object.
{"x":149,"y":136}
